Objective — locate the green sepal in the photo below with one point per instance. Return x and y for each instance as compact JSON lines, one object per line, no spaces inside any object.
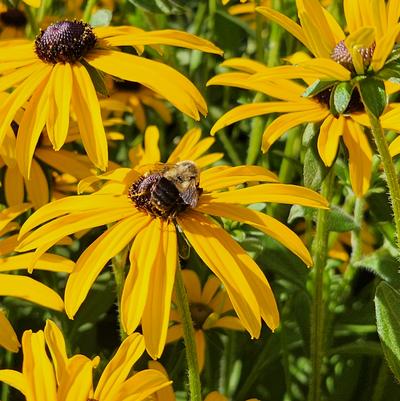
{"x":340,"y":221}
{"x":340,"y":98}
{"x":373,"y":95}
{"x":317,"y":87}
{"x":390,"y":72}
{"x":387,"y":301}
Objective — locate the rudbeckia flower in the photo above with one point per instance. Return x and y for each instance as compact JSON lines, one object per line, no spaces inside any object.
{"x":24,"y":287}
{"x":372,"y":32}
{"x":150,"y":206}
{"x":210,"y":308}
{"x":58,"y":73}
{"x":296,"y":109}
{"x":12,"y":23}
{"x":62,"y":378}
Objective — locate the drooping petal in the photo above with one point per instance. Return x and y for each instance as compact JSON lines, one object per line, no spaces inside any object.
{"x":87,"y":109}
{"x":14,"y":379}
{"x":31,"y":290}
{"x":328,"y":139}
{"x":212,"y":244}
{"x":118,"y":368}
{"x":158,"y":77}
{"x":9,"y":80}
{"x":287,"y":121}
{"x":244,"y":64}
{"x":166,"y":393}
{"x":360,"y":157}
{"x":8,"y":337}
{"x":275,"y":193}
{"x":220,"y":177}
{"x":13,"y":186}
{"x":37,"y":186}
{"x":94,"y":258}
{"x":9,"y":214}
{"x":263,"y":222}
{"x":155,"y":317}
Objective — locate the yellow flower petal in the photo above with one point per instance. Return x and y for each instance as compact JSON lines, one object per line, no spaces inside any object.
{"x":229,"y":322}
{"x":287,"y":121}
{"x":186,"y":144}
{"x":175,"y":332}
{"x":152,"y":151}
{"x":353,"y":10}
{"x":211,"y":287}
{"x":14,"y":379}
{"x":159,"y":77}
{"x":275,"y":193}
{"x":328,"y":139}
{"x":37,"y":186}
{"x":200,"y":348}
{"x":118,"y":368}
{"x":326,"y":69}
{"x":192,"y":285}
{"x":214,"y":247}
{"x":258,"y":109}
{"x":263,"y":222}
{"x":393,"y":12}
{"x":360,"y":157}
{"x":384,"y":46}
{"x":31,"y":290}
{"x":87,"y":109}
{"x":10,"y":80}
{"x":245,"y":65}
{"x":166,"y":393}
{"x":155,"y":317}
{"x":140,"y":386}
{"x":220,"y":177}
{"x":144,"y":255}
{"x":94,"y":258}
{"x":8,"y":338}
{"x":37,"y":368}
{"x":394,"y":147}
{"x":47,"y":262}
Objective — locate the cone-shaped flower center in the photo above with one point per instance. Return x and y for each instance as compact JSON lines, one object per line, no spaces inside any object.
{"x":199,"y":313}
{"x":342,"y":55}
{"x":65,"y":42}
{"x":13,"y":18}
{"x":167,"y":192}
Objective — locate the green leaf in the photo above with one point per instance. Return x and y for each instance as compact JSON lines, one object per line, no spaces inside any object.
{"x":373,"y":95}
{"x":147,"y":5}
{"x":340,"y":98}
{"x":383,"y":264}
{"x":390,"y":71}
{"x":97,"y":78}
{"x":317,"y":87}
{"x":101,"y":18}
{"x":358,"y":348}
{"x":387,"y":301}
{"x":340,"y":221}
{"x":314,"y":170}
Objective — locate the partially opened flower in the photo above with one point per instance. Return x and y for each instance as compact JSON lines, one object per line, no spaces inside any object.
{"x":58,"y":73}
{"x":210,"y":308}
{"x":150,"y":206}
{"x":21,"y":286}
{"x":62,"y":378}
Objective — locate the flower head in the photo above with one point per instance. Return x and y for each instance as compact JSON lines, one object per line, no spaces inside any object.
{"x":64,"y":378}
{"x":62,"y":70}
{"x":146,"y":297}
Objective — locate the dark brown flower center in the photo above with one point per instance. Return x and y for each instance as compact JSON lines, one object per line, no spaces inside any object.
{"x":199,"y":313}
{"x":342,"y":55}
{"x":65,"y":42}
{"x":13,"y":18}
{"x":167,"y":192}
{"x":355,"y":105}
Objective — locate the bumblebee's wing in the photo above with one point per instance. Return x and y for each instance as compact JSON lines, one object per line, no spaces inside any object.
{"x":190,"y":195}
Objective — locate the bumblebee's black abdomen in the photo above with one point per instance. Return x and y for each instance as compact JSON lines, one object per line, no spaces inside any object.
{"x":165,"y":193}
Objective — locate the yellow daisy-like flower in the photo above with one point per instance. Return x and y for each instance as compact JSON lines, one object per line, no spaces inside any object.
{"x":57,"y":73}
{"x":372,"y":32}
{"x":295,"y":109}
{"x":150,"y":206}
{"x":19,"y":286}
{"x":12,"y":23}
{"x":62,"y":378}
{"x":210,"y":308}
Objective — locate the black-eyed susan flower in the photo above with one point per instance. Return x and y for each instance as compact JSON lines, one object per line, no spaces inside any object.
{"x":56,"y":74}
{"x":296,"y":109}
{"x":20,"y":286}
{"x":12,"y":23}
{"x":63,"y":378}
{"x":210,"y":308}
{"x":149,"y":207}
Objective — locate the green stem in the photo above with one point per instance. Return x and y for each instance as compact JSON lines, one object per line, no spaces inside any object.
{"x":188,"y":336}
{"x":34,"y":28}
{"x":118,"y":267}
{"x":87,"y":13}
{"x":380,"y":384}
{"x":5,"y":391}
{"x":259,"y":37}
{"x":388,"y":166}
{"x":229,"y":148}
{"x":320,"y":254}
{"x":275,"y":38}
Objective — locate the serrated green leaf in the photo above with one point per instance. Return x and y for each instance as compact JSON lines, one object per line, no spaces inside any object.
{"x":373,"y":95}
{"x":317,"y":87}
{"x":383,"y":264}
{"x":340,"y":221}
{"x":340,"y":97}
{"x":387,"y":301}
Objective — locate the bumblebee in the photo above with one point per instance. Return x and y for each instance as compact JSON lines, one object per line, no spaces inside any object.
{"x":169,"y":191}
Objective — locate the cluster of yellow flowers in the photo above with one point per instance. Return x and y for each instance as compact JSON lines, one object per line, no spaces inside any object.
{"x":52,"y":93}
